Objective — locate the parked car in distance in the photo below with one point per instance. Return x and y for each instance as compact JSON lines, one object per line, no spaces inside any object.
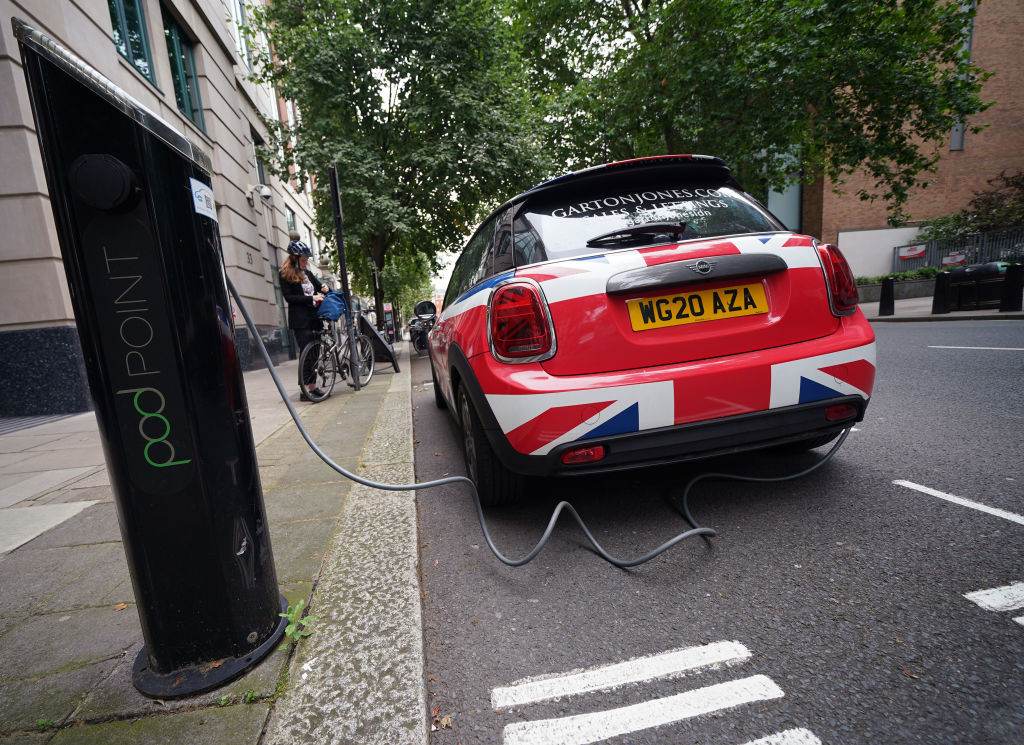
{"x":640,"y":313}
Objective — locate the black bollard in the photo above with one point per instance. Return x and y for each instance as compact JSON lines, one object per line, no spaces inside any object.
{"x":940,"y":300}
{"x":141,"y":249}
{"x":887,"y":301}
{"x":1013,"y":289}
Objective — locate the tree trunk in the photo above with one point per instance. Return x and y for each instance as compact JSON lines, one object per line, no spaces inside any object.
{"x":377,"y":256}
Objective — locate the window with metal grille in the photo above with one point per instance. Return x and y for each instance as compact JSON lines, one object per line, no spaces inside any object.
{"x":181,"y":52}
{"x":128,"y":31}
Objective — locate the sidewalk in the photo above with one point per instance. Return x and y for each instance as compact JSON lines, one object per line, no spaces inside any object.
{"x":68,"y":627}
{"x":920,"y":309}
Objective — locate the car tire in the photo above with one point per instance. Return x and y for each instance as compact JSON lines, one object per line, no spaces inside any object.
{"x":802,"y":446}
{"x":495,"y":484}
{"x":439,"y":401}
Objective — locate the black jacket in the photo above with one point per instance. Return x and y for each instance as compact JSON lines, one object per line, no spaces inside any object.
{"x":301,"y":311}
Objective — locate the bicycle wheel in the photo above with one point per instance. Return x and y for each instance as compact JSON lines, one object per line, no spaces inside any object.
{"x":320,"y":359}
{"x":364,"y":348}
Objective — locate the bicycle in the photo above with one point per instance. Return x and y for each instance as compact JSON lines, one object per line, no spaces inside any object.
{"x":330,"y":351}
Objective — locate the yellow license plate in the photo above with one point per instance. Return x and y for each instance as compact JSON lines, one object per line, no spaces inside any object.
{"x":695,"y":307}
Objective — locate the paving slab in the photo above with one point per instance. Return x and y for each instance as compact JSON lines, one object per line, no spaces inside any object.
{"x":228,"y":725}
{"x":54,"y":643}
{"x":36,"y":461}
{"x":16,"y":442}
{"x":299,"y":548}
{"x":28,"y":485}
{"x":63,"y":578}
{"x":73,"y":493}
{"x":53,"y":698}
{"x":96,"y":524}
{"x":19,"y":525}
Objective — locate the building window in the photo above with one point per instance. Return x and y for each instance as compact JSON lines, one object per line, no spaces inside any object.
{"x":240,"y":16}
{"x":289,"y":217}
{"x":129,"y":34}
{"x":180,"y":51}
{"x":261,"y":167}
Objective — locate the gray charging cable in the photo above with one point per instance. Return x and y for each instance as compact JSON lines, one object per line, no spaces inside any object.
{"x":682,"y":504}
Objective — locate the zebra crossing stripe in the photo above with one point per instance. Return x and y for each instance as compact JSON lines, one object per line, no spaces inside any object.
{"x":667,"y":664}
{"x":1008,"y":597}
{"x":587,"y":728}
{"x":797,"y":736}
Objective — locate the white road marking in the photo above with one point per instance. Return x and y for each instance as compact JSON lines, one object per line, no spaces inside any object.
{"x":797,"y":736}
{"x":667,"y":664}
{"x":601,"y":725}
{"x":1006,"y":515}
{"x":1008,"y":597}
{"x":1020,"y":620}
{"x":998,"y":349}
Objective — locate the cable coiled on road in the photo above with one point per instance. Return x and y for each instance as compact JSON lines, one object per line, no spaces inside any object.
{"x":681,"y":505}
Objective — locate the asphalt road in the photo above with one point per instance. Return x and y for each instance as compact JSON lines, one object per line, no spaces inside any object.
{"x":846,"y":590}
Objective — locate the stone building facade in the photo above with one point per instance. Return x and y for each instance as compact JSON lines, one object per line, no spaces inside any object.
{"x":186,"y":61}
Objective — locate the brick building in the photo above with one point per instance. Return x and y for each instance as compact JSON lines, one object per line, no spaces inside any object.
{"x":967,"y":160}
{"x":185,"y":60}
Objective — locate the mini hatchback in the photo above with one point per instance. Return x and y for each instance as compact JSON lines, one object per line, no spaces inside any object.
{"x":641,"y":313}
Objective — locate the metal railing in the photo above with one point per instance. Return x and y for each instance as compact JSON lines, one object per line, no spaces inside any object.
{"x":995,"y":245}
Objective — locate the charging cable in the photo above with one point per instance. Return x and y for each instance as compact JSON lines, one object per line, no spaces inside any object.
{"x":681,"y":505}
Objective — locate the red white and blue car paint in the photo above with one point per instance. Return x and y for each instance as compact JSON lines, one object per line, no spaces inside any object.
{"x":604,"y":396}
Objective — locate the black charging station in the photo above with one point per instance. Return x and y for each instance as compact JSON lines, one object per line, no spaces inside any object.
{"x":141,"y":248}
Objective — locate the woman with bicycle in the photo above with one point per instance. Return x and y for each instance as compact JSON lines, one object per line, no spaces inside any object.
{"x":303,"y":292}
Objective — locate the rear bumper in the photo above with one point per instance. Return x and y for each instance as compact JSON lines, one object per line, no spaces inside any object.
{"x":671,"y":413}
{"x":696,"y":441}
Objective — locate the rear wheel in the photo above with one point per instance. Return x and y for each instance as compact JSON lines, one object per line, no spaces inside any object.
{"x":321,"y":363}
{"x":495,"y":484}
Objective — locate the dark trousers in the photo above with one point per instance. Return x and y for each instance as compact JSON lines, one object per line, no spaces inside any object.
{"x":304,"y":337}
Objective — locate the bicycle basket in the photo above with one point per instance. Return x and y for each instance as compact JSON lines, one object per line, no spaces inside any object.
{"x":332,"y":307}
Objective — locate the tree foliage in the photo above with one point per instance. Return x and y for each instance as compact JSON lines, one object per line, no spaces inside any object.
{"x":775,"y":87}
{"x":422,"y":105}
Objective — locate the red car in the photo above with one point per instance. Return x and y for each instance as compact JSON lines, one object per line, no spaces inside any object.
{"x":640,"y":313}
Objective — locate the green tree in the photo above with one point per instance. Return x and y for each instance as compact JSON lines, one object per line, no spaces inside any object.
{"x":422,"y":105}
{"x":775,"y":87}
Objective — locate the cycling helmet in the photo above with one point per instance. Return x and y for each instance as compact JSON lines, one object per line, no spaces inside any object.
{"x":298,"y":248}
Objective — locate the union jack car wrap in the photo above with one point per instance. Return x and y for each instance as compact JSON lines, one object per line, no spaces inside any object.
{"x":657,"y":385}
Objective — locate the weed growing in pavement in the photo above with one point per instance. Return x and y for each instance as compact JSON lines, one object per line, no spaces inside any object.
{"x":249,"y":696}
{"x":298,"y":627}
{"x":44,"y":724}
{"x":224,"y":700}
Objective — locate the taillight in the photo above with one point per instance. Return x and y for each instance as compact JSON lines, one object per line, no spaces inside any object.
{"x":588,"y":454}
{"x":838,"y":412}
{"x":842,"y":287}
{"x":518,"y":323}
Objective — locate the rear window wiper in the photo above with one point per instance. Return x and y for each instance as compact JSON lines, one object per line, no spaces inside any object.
{"x":631,"y":234}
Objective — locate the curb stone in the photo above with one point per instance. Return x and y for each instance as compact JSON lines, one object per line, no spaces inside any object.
{"x":360,"y":677}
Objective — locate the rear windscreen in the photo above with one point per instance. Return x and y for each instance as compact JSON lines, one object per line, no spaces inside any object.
{"x":630,"y":211}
